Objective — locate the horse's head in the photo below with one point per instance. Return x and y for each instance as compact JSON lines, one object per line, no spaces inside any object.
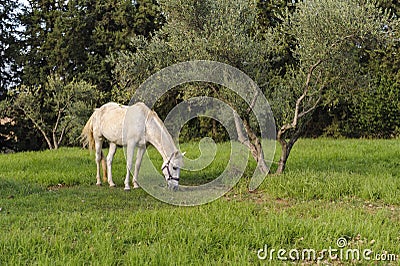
{"x":171,"y":169}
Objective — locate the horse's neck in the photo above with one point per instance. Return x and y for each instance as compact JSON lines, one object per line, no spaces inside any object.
{"x":157,"y":134}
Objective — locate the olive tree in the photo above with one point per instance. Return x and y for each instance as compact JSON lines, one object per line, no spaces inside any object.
{"x":224,"y":31}
{"x":333,"y":39}
{"x":57,"y":109}
{"x":329,"y":41}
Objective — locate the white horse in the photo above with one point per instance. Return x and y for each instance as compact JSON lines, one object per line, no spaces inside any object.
{"x":131,"y":126}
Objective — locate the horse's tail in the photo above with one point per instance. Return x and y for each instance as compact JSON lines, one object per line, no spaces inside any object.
{"x":87,"y":139}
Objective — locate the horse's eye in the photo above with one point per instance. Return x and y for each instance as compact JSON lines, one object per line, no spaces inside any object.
{"x":175,"y":168}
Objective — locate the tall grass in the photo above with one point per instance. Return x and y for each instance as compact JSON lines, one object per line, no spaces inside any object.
{"x":340,"y":169}
{"x":53,"y":214}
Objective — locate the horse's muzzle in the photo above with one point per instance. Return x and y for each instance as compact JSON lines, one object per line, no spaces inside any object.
{"x":173,"y":184}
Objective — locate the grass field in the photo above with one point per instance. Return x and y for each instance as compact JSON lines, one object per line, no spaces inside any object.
{"x":51,"y":213}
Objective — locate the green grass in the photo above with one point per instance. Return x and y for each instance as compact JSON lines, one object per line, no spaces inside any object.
{"x":53,"y":214}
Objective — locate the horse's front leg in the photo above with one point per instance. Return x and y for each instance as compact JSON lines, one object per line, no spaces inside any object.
{"x":139,"y":157}
{"x":110,"y":156}
{"x":130,"y":148}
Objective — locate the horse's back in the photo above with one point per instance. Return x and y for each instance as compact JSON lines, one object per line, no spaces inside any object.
{"x":119,"y":123}
{"x":135,"y":123}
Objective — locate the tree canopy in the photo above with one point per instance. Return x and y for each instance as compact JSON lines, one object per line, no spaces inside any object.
{"x":327,"y":62}
{"x":331,"y":61}
{"x":68,"y":39}
{"x":9,"y":44}
{"x":73,"y":38}
{"x":341,"y":55}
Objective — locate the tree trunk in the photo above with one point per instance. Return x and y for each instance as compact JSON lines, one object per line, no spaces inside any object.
{"x":286,"y":148}
{"x":254,"y":144}
{"x":260,"y":156}
{"x":36,"y":124}
{"x":214,"y":128}
{"x":283,"y":158}
{"x":55,"y":143}
{"x":288,"y":145}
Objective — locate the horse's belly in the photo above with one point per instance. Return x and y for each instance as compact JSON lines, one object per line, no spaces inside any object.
{"x":119,"y":127}
{"x":114,"y":136}
{"x":121,"y":134}
{"x":112,"y":124}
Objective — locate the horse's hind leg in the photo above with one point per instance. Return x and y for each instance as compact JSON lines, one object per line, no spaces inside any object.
{"x":104,"y":166}
{"x":98,"y":146}
{"x":110,"y":156}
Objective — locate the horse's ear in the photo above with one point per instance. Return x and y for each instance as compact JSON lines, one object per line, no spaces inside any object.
{"x":183,"y":153}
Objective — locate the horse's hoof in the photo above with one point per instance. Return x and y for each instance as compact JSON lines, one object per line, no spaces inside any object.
{"x":98,"y":184}
{"x":113,"y":186}
{"x":127,"y":189}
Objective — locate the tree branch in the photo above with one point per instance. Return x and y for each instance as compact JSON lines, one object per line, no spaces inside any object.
{"x":63,"y":131}
{"x":36,"y":124}
{"x":310,"y":109}
{"x":253,"y":102}
{"x":55,"y":129}
{"x":296,"y":116}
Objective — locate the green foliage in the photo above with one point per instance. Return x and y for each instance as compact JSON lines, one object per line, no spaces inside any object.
{"x":115,"y":45}
{"x":223,"y":31}
{"x":270,"y":12}
{"x":8,"y":45}
{"x":357,"y":105}
{"x":358,"y":31}
{"x":74,"y":38}
{"x":392,"y":5}
{"x":373,"y":112}
{"x":339,"y":38}
{"x":57,"y":110}
{"x":71,"y":40}
{"x":148,"y":17}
